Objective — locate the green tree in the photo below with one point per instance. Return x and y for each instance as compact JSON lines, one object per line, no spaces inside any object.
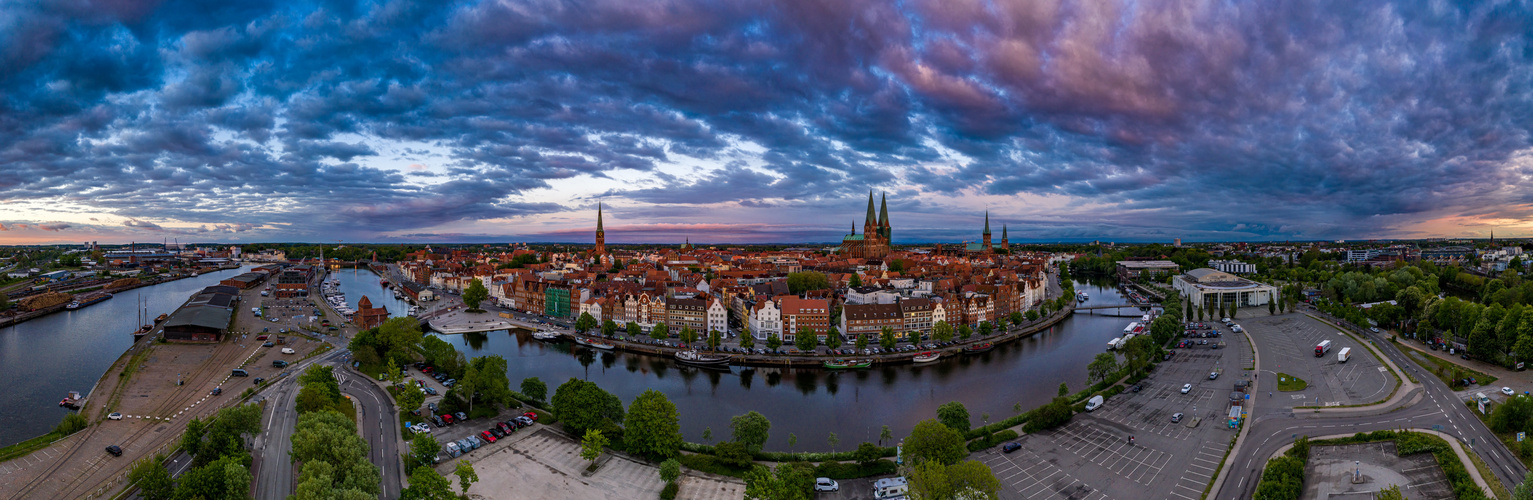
{"x":1524,"y":490}
{"x":805,"y":340}
{"x":534,"y":388}
{"x":801,"y":282}
{"x":608,"y":328}
{"x":832,"y":440}
{"x":654,"y":426}
{"x":930,"y":440}
{"x":1103,"y":365}
{"x":733,"y":454}
{"x":591,"y":446}
{"x":1390,"y":493}
{"x":708,"y":434}
{"x":410,"y":399}
{"x":833,"y":338}
{"x":885,"y":435}
{"x":226,"y":478}
{"x":1064,"y":390}
{"x":1271,"y":308}
{"x":670,"y":470}
{"x":969,"y":480}
{"x":790,"y":481}
{"x":466,"y":475}
{"x":634,"y":330}
{"x":954,"y":415}
{"x":334,"y":456}
{"x":855,"y":282}
{"x":867,"y":453}
{"x":474,"y":294}
{"x":1032,"y":315}
{"x":964,"y":332}
{"x":985,"y":328}
{"x":585,"y":322}
{"x":942,"y":332}
{"x":886,"y":338}
{"x":1016,"y":317}
{"x":427,"y":484}
{"x":688,"y":336}
{"x":746,"y":340}
{"x":153,"y":481}
{"x":486,"y":376}
{"x":423,"y":451}
{"x":773,"y":342}
{"x":398,"y":338}
{"x":792,"y":440}
{"x":862,"y":342}
{"x":660,"y":331}
{"x":581,"y":405}
{"x":714,"y":339}
{"x":751,"y":430}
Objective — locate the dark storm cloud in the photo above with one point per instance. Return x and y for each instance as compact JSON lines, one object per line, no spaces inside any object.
{"x":1249,"y":119}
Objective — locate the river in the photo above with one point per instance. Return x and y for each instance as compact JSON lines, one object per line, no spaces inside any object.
{"x":811,"y":403}
{"x":43,"y":359}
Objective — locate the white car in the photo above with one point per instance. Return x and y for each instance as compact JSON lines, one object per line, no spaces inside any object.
{"x":115,"y":416}
{"x":1508,"y":391}
{"x":1186,"y":388}
{"x":826,"y":484}
{"x":288,"y":350}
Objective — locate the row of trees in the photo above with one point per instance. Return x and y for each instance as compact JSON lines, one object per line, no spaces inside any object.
{"x":220,"y":459}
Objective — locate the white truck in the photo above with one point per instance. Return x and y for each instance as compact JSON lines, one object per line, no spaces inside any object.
{"x":1323,"y":347}
{"x":1343,"y":355}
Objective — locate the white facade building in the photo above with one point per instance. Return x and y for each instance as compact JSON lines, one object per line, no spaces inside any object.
{"x":718,"y":316}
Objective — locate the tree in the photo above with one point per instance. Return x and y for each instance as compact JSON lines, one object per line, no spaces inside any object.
{"x":1102,"y":366}
{"x":833,"y":338}
{"x":801,"y":282}
{"x":885,"y":435}
{"x":534,"y":388}
{"x":985,"y":328}
{"x":1016,"y":317}
{"x":688,"y":335}
{"x":790,"y":481}
{"x":660,"y":331}
{"x":773,"y":342}
{"x":585,"y":322}
{"x":751,"y":430}
{"x":867,"y":453}
{"x":410,"y":399}
{"x":942,"y":332}
{"x":487,"y":376}
{"x":423,"y":451}
{"x":608,"y":328}
{"x":226,"y":478}
{"x":581,"y":405}
{"x":1032,"y":315}
{"x":855,"y":282}
{"x":806,"y":340}
{"x":1524,"y":490}
{"x":654,"y":426}
{"x":792,"y":440}
{"x":714,"y":339}
{"x":886,"y":338}
{"x":1271,"y":308}
{"x":954,"y":415}
{"x":733,"y":453}
{"x":931,"y":440}
{"x":670,"y":470}
{"x":398,"y":338}
{"x":862,"y":342}
{"x":474,"y":294}
{"x":967,"y":480}
{"x":466,"y":475}
{"x":591,"y":446}
{"x":832,"y":440}
{"x":633,"y":329}
{"x":426,"y":484}
{"x":334,"y":456}
{"x":964,"y":332}
{"x":1064,"y":390}
{"x":153,"y":481}
{"x":746,"y":340}
{"x":708,"y":434}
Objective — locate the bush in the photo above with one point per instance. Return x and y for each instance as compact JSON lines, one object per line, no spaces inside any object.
{"x":71,"y":424}
{"x":711,"y":465}
{"x":669,"y":492}
{"x":846,"y":470}
{"x":991,"y":440}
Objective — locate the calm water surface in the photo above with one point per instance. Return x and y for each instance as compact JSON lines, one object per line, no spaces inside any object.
{"x":813,"y":403}
{"x":43,"y":359}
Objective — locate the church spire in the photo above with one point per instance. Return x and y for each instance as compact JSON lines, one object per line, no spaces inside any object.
{"x":872,"y":217}
{"x":598,"y":216}
{"x":987,"y":222}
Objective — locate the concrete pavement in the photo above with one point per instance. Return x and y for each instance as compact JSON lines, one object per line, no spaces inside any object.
{"x":379,"y":425}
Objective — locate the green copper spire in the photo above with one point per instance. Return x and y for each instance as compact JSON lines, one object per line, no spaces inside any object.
{"x":872,"y":217}
{"x":1003,"y":232}
{"x":987,"y":222}
{"x":598,"y":217}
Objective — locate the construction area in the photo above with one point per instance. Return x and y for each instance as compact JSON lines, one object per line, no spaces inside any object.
{"x":1360,"y":470}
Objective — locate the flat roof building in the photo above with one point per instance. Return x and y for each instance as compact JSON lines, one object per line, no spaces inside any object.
{"x":1133,"y":269}
{"x":1214,"y":289}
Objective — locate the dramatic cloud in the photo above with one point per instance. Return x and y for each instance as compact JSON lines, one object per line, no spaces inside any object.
{"x":318,"y":120}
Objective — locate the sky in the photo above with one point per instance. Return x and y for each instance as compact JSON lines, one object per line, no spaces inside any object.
{"x":726,"y":121}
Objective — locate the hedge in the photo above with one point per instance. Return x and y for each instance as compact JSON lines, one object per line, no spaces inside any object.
{"x":990,"y":440}
{"x":853,"y":470}
{"x":1004,"y":424}
{"x":711,"y":465}
{"x":783,"y":456}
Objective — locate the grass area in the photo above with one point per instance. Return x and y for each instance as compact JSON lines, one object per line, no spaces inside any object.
{"x":1210,"y":485}
{"x":1290,"y":383}
{"x":21,"y":449}
{"x":1450,"y":373}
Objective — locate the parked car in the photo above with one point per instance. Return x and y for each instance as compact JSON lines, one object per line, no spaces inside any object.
{"x":261,"y":337}
{"x":1508,"y":391}
{"x":288,"y":350}
{"x":450,"y":382}
{"x":462,"y":417}
{"x":524,"y":421}
{"x":826,"y":484}
{"x":531,"y":416}
{"x":448,"y":418}
{"x":268,"y":344}
{"x":506,"y":427}
{"x":488,"y":436}
{"x":1186,"y":388}
{"x":431,"y":391}
{"x":1176,"y":417}
{"x":114,"y":416}
{"x":1010,"y":447}
{"x":1213,"y":375}
{"x":218,"y":390}
{"x":115,"y":450}
{"x":437,"y":420}
{"x":1135,"y":388}
{"x":279,"y":363}
{"x":497,"y":432}
{"x":258,"y":380}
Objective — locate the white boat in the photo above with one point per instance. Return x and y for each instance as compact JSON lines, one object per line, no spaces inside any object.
{"x":1132,"y":325}
{"x":1114,"y":343}
{"x":546,"y":335}
{"x":926,"y":357}
{"x":595,"y":342}
{"x":1081,"y":296}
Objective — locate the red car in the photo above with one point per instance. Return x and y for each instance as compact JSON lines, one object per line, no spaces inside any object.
{"x":531,"y":415}
{"x":447,"y":419}
{"x":487,"y":435}
{"x":260,"y":337}
{"x":426,"y":370}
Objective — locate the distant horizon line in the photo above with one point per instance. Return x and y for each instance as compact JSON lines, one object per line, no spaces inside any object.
{"x":800,"y":243}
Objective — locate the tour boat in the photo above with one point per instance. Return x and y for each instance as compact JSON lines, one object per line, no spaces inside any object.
{"x":978,"y":348}
{"x":700,"y":359}
{"x":843,"y":364}
{"x":926,"y":357}
{"x":595,"y":342}
{"x":1081,"y":296}
{"x":546,"y":335}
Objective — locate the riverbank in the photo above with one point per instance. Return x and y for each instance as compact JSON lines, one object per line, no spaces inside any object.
{"x":31,"y":315}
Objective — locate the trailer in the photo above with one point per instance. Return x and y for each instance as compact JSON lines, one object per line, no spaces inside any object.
{"x":1343,"y":355}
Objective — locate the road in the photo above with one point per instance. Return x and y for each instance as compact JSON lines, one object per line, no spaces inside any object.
{"x":1440,"y":410}
{"x":273,"y":468}
{"x":379,"y":425}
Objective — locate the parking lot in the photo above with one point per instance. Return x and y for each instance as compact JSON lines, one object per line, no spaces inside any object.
{"x":1091,"y":457}
{"x":1287,"y":344}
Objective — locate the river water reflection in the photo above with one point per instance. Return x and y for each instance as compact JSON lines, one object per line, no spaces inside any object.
{"x":813,"y":403}
{"x":43,"y":359}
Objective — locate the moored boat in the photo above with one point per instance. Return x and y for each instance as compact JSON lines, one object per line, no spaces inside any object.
{"x":546,"y":335}
{"x":72,"y":401}
{"x":846,"y":364}
{"x":88,"y":299}
{"x":595,"y":343}
{"x":700,"y":359}
{"x":979,"y":348}
{"x":161,"y":317}
{"x":926,"y":357}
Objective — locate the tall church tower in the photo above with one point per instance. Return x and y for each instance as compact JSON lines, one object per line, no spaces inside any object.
{"x":986,"y":246}
{"x":1005,"y":245}
{"x":870,"y":224}
{"x":601,"y":236}
{"x":883,"y":217}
